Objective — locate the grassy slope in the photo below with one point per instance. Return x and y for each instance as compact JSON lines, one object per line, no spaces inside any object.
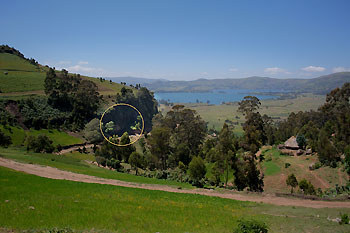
{"x":59,"y":203}
{"x":69,"y":162}
{"x":276,"y":173}
{"x":29,"y":79}
{"x":58,"y":137}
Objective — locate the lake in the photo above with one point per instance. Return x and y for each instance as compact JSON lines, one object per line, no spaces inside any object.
{"x":214,"y":97}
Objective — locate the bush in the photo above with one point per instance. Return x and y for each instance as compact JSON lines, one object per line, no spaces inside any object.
{"x":307,"y":187}
{"x":39,"y":144}
{"x":197,"y":169}
{"x":101,"y":160}
{"x":5,"y":140}
{"x":251,"y":226}
{"x":286,"y":165}
{"x":344,"y":219}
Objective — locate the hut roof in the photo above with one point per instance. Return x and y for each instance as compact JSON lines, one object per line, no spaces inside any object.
{"x":291,"y":143}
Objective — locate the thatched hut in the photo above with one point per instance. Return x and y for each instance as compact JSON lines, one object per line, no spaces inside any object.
{"x":291,"y":144}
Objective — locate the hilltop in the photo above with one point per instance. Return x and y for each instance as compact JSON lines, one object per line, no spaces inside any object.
{"x":320,"y":85}
{"x":20,"y":76}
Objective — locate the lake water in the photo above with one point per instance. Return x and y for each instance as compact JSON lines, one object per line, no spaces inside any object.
{"x":214,"y":97}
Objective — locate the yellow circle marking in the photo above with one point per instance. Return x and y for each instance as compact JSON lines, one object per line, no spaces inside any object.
{"x":122,"y":104}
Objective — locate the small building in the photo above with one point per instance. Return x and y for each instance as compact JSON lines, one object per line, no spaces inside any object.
{"x":291,"y":144}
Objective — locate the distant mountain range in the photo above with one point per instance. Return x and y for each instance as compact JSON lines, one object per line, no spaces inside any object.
{"x":320,"y":85}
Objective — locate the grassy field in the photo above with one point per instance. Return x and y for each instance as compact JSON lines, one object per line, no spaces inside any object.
{"x":58,"y":137}
{"x":31,"y":202}
{"x":74,"y":163}
{"x":216,"y":115}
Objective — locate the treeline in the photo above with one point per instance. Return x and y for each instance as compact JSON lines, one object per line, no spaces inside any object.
{"x":326,"y":130}
{"x":178,"y":148}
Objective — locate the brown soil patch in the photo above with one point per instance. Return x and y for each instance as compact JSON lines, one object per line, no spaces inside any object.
{"x":54,"y":173}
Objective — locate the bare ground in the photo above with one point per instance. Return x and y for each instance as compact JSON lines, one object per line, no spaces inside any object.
{"x":54,"y":173}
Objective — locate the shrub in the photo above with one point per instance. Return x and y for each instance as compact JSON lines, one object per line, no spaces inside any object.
{"x":197,"y":169}
{"x":5,"y":140}
{"x":59,"y":147}
{"x":101,"y":160}
{"x":39,"y":144}
{"x":286,"y":165}
{"x":251,"y":226}
{"x":344,"y":219}
{"x":307,"y":187}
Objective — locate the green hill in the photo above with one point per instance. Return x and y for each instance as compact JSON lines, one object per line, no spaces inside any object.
{"x":320,"y":85}
{"x":21,"y":76}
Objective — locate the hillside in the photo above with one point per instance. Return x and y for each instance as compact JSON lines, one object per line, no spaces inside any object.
{"x":19,"y":76}
{"x":320,"y":85}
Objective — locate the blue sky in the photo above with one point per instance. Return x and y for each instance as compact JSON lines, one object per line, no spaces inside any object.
{"x":182,"y":39}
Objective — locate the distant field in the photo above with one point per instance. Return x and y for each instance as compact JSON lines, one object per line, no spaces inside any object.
{"x":216,"y":115}
{"x":58,"y":137}
{"x":31,"y":202}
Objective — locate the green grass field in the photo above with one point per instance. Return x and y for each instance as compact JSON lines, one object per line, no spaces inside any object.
{"x":58,"y":137}
{"x":70,"y":162}
{"x":28,"y":202}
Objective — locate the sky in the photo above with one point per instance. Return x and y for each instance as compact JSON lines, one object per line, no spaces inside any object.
{"x":182,"y":39}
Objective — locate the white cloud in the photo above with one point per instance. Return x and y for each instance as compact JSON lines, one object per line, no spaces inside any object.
{"x":233,"y":69}
{"x":204,"y":73}
{"x":64,"y":62}
{"x":275,"y":70}
{"x":314,"y":69}
{"x":84,"y":69}
{"x":341,"y":69}
{"x":83,"y":63}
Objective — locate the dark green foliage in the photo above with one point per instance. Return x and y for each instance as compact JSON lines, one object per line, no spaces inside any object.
{"x":39,"y":144}
{"x":109,"y":151}
{"x":307,"y":187}
{"x":59,"y":147}
{"x":347,"y":159}
{"x":225,"y":151}
{"x":197,"y":169}
{"x":136,"y":160}
{"x":301,"y":141}
{"x":5,"y":117}
{"x":287,"y":165}
{"x":159,"y":145}
{"x":143,"y":100}
{"x":37,"y":113}
{"x":247,"y":175}
{"x":251,"y":226}
{"x":71,"y":93}
{"x":344,"y":219}
{"x":5,"y":140}
{"x":327,"y":153}
{"x":292,"y":182}
{"x":254,"y":126}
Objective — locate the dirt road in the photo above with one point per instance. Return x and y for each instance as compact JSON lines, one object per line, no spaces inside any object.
{"x":54,"y":173}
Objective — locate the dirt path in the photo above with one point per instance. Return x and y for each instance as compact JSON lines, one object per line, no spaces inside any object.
{"x":54,"y":173}
{"x":319,"y":179}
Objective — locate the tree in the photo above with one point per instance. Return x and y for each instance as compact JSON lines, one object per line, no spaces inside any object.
{"x":159,"y":145}
{"x":226,"y":150}
{"x":307,"y":187}
{"x":326,"y":151}
{"x":301,"y":141}
{"x":292,"y":181}
{"x":197,"y":169}
{"x":136,"y":160}
{"x":5,"y":140}
{"x":92,"y":131}
{"x":39,"y":144}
